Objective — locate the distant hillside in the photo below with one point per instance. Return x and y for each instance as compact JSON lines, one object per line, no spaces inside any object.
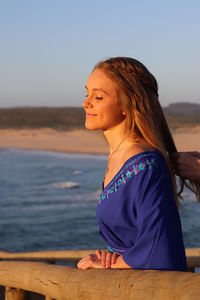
{"x":182,"y":114}
{"x":184,"y":108}
{"x":67,"y":118}
{"x":61,"y":118}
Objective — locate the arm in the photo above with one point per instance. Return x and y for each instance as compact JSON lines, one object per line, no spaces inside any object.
{"x":158,"y":244}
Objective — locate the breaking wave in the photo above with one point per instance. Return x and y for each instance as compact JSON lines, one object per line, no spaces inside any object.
{"x":64,"y":185}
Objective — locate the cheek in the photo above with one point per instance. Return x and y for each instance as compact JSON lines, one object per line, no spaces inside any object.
{"x":115,"y":113}
{"x":113,"y":116}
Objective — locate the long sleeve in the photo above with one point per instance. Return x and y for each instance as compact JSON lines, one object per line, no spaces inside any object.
{"x":159,"y":243}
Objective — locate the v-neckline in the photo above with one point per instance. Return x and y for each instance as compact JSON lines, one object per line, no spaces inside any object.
{"x":122,"y":167}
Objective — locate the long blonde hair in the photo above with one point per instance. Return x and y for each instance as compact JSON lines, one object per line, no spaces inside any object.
{"x":138,"y":98}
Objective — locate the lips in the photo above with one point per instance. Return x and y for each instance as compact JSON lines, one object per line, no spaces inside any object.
{"x":90,"y":115}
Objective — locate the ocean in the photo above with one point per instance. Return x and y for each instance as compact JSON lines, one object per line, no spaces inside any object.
{"x":48,"y":202}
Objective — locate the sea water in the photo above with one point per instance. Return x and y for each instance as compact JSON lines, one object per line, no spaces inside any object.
{"x":48,"y":201}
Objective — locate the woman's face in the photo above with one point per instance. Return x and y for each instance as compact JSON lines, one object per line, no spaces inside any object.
{"x":101,"y":104}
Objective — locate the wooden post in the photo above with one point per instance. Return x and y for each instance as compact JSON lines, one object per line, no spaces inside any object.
{"x":14,"y":294}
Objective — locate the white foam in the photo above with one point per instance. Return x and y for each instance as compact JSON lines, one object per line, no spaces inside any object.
{"x":77,"y":172}
{"x":64,"y":185}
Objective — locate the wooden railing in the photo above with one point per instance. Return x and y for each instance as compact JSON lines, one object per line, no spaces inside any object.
{"x":64,"y":282}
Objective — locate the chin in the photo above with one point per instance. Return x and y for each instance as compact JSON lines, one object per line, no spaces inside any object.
{"x":91,"y":126}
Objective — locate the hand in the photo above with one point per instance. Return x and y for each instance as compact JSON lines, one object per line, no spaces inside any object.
{"x":90,"y":262}
{"x":107,"y":258}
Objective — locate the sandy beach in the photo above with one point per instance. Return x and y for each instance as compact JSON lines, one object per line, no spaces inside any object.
{"x":81,"y":141}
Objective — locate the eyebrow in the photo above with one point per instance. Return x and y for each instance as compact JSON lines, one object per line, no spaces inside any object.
{"x":98,"y":90}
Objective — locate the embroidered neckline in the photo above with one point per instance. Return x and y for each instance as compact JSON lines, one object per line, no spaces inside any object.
{"x":132,"y":167}
{"x":127,"y":164}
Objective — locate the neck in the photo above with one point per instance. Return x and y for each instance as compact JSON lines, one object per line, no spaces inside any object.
{"x":115,"y":135}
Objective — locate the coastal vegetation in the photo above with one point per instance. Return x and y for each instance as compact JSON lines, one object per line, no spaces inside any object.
{"x":178,"y":115}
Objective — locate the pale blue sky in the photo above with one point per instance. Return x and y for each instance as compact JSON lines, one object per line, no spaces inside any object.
{"x":48,"y":47}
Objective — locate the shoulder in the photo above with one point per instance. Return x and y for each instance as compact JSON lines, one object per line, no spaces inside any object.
{"x":135,"y":150}
{"x":144,"y":161}
{"x":150,"y":180}
{"x":144,"y":171}
{"x":144,"y":168}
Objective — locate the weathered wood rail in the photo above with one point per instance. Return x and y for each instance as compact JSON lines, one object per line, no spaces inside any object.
{"x":68,"y":283}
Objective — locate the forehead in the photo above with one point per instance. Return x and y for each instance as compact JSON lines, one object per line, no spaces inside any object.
{"x":99,"y":80}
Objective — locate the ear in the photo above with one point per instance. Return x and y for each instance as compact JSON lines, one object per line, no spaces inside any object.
{"x":124,"y":115}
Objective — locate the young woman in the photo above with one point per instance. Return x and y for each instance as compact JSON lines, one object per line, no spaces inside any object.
{"x":137,"y":210}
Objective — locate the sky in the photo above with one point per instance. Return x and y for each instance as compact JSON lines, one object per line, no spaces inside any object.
{"x":49,"y":47}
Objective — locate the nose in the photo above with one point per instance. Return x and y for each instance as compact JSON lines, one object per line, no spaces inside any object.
{"x":87,"y":103}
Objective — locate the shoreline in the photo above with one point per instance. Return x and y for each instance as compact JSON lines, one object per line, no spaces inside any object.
{"x":47,"y":139}
{"x":56,"y":151}
{"x":81,"y":141}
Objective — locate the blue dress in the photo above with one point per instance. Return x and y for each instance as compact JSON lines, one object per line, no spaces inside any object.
{"x":138,"y":217}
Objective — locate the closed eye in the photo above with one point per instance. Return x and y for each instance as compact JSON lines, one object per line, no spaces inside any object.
{"x":99,"y":98}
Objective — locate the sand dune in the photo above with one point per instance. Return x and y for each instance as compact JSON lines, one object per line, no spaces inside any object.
{"x":81,"y":141}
